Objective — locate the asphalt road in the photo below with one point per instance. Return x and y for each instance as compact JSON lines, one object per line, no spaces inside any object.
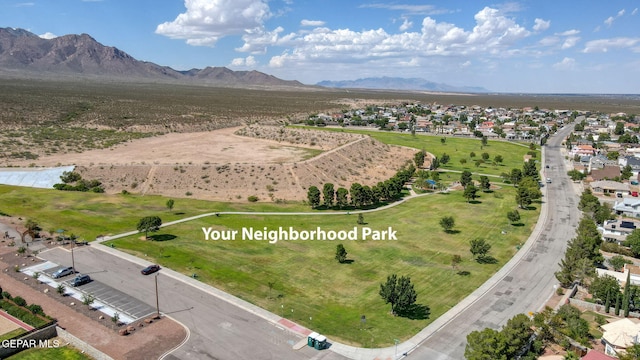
{"x":531,"y":282}
{"x":218,"y":330}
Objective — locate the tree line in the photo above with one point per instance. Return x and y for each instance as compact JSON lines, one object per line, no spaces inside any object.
{"x":358,"y":195}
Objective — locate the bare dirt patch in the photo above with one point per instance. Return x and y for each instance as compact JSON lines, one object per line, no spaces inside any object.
{"x":269,"y":162}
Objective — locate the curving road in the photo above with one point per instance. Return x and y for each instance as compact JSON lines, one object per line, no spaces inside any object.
{"x":220,"y":329}
{"x":528,"y":284}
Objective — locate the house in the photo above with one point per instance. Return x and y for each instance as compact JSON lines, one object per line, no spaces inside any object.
{"x":628,"y":207}
{"x":582,"y":150}
{"x":600,"y":161}
{"x":608,"y":172}
{"x":610,"y":187}
{"x":618,"y":230}
{"x":619,"y":335}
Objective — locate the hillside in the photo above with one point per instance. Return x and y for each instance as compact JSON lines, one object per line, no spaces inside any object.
{"x":23,"y":53}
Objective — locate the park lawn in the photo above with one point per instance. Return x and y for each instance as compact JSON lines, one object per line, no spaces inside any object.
{"x":88,"y":215}
{"x":11,"y":334}
{"x":53,"y":353}
{"x":457,"y":148}
{"x":309,"y":286}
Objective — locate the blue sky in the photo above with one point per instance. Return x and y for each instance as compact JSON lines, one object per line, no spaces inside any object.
{"x":529,"y":46}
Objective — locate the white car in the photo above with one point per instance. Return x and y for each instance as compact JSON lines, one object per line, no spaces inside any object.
{"x":63,"y":272}
{"x":548,"y":180}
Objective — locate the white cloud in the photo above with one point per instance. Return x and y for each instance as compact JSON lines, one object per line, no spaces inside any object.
{"x":206,"y":21}
{"x":571,"y":32}
{"x":604,"y":45}
{"x":541,"y":25}
{"x":609,"y":21}
{"x":493,"y":34}
{"x":566,"y":64}
{"x":24,"y":4}
{"x":466,"y":64}
{"x":256,"y":41}
{"x":313,"y":23}
{"x":635,"y":11}
{"x":249,"y":61}
{"x":406,"y":25}
{"x":48,"y":35}
{"x":570,"y":42}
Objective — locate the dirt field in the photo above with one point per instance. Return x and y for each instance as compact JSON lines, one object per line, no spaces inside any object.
{"x":266,"y":161}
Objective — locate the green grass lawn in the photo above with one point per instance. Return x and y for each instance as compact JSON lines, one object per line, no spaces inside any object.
{"x":59,"y":353}
{"x":11,"y":334}
{"x":457,"y":148}
{"x":312,"y":288}
{"x":301,"y":280}
{"x":88,"y":215}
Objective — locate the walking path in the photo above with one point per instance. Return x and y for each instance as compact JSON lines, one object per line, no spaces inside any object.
{"x":342,"y":349}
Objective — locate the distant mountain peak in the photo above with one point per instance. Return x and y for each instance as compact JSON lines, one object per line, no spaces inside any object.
{"x":398,"y":83}
{"x":81,"y":55}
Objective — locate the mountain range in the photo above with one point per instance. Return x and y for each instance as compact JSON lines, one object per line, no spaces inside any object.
{"x":397,"y":83}
{"x":23,"y":53}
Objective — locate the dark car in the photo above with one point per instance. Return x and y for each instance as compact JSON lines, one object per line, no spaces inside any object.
{"x":80,"y":280}
{"x":150,"y":269}
{"x":63,"y":272}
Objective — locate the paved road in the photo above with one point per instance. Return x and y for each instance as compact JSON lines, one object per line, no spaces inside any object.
{"x":218,"y":329}
{"x":531,"y":281}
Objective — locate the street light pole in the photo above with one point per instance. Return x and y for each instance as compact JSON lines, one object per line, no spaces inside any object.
{"x":157,"y":301}
{"x":73,"y":261}
{"x":396,"y":355}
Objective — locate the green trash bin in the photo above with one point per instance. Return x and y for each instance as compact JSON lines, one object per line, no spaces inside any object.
{"x":311,"y":339}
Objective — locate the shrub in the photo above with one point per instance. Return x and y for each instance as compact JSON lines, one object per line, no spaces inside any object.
{"x":6,"y":295}
{"x":19,"y":301}
{"x":35,"y":309}
{"x":252,"y":198}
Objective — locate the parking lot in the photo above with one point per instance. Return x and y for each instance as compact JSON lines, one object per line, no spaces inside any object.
{"x":107,"y":299}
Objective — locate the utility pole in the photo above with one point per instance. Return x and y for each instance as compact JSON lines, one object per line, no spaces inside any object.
{"x":157,"y":301}
{"x":73,"y":261}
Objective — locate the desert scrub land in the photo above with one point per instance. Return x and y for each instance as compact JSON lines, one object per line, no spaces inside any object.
{"x":299,"y":136}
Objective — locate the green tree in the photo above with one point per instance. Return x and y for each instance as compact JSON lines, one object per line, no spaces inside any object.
{"x":618,"y":262}
{"x":576,"y":175}
{"x":619,"y":129}
{"x":633,"y":241}
{"x":170,"y":204}
{"x":516,"y":334}
{"x":313,"y":196}
{"x":463,"y":161}
{"x":435,"y":163}
{"x":470,"y":192}
{"x":485,"y":184}
{"x":418,"y":158}
{"x":342,"y":197}
{"x":447,"y":223}
{"x":455,"y":261}
{"x":472,"y":154}
{"x":399,"y":293}
{"x":444,"y":159}
{"x":149,"y":224}
{"x":498,"y":159}
{"x":626,"y":295}
{"x":529,"y":170}
{"x":485,"y":156}
{"x":604,"y":286}
{"x":513,"y":216}
{"x":523,"y":198}
{"x":515,"y":176}
{"x":487,"y":344}
{"x":479,"y":247}
{"x":626,"y":172}
{"x":484,"y":140}
{"x":361,"y":219}
{"x":341,"y":253}
{"x":465,"y":178}
{"x":328,"y":194}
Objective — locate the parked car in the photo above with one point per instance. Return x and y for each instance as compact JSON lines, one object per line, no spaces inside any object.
{"x":548,"y":180}
{"x":80,"y":280}
{"x":150,"y":269}
{"x":63,"y":272}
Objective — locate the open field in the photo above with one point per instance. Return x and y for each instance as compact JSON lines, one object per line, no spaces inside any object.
{"x":57,"y":117}
{"x":310,"y":287}
{"x":88,"y":215}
